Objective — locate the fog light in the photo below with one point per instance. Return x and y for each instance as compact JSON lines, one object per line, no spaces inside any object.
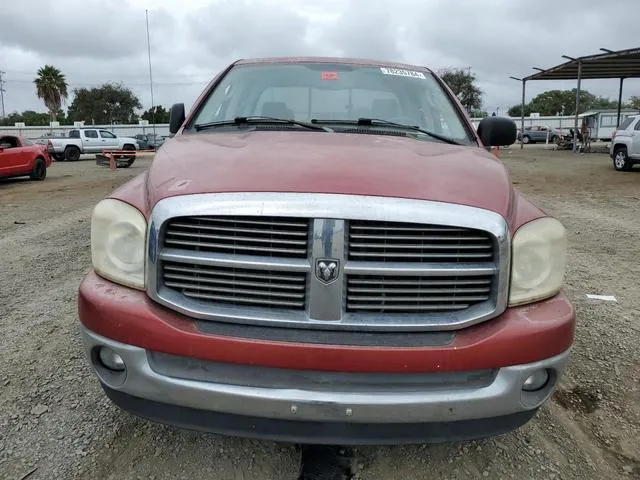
{"x":111,"y":359}
{"x":536,"y":381}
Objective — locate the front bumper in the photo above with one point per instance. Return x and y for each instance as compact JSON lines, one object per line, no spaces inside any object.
{"x":469,"y":386}
{"x":374,"y":415}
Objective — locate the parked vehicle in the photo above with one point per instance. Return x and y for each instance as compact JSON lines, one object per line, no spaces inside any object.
{"x":624,"y":148}
{"x":88,"y":140}
{"x":536,"y":134}
{"x":149,"y":141}
{"x":325,"y":252}
{"x":21,"y":157}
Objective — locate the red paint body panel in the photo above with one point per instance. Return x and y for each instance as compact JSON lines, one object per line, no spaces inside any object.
{"x":15,"y":162}
{"x":316,"y":162}
{"x":521,"y":335}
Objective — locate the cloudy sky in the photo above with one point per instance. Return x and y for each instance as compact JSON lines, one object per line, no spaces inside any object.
{"x":95,"y":41}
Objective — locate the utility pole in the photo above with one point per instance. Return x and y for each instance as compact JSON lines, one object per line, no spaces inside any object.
{"x":153,"y":109}
{"x":2,"y":90}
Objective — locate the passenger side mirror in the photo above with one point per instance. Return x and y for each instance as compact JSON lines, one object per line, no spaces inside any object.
{"x":176,"y":117}
{"x":497,"y":131}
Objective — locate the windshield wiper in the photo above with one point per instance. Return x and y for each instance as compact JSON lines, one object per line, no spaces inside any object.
{"x":387,"y":123}
{"x":255,"y":119}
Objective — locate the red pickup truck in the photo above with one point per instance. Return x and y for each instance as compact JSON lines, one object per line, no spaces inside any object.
{"x":21,"y":157}
{"x":326,"y":252}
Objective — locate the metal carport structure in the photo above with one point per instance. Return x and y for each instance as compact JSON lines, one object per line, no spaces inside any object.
{"x":621,"y":64}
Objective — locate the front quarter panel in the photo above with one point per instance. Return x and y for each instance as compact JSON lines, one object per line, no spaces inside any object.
{"x":135,"y":193}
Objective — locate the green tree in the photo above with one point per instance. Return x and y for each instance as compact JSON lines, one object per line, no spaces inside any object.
{"x":51,"y":87}
{"x":634,"y":102}
{"x":157,"y":114}
{"x":107,"y":104}
{"x":516,"y":111}
{"x":35,"y":119}
{"x":463,"y":84}
{"x":553,"y":102}
{"x":476,"y":113}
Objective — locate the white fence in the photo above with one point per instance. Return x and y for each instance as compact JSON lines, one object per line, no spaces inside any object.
{"x":63,"y":130}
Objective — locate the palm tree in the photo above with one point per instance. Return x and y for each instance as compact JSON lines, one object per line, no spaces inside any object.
{"x":51,"y":86}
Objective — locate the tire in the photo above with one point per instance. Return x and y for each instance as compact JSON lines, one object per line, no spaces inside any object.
{"x":72,"y":153}
{"x":39,"y":171}
{"x":526,"y":139}
{"x":128,"y":146}
{"x":621,"y":160}
{"x":58,"y":157}
{"x":553,"y":139}
{"x":129,"y":162}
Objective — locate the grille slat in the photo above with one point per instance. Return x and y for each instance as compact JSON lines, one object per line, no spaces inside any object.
{"x":359,"y":236}
{"x":298,"y":252}
{"x":415,"y":282}
{"x":240,"y":230}
{"x":237,"y":238}
{"x":225,"y":285}
{"x":171,"y":278}
{"x":242,"y":300}
{"x":417,"y":257}
{"x":236,"y":291}
{"x":384,"y":294}
{"x":275,"y":221}
{"x":405,"y":308}
{"x":425,"y":291}
{"x":404,"y":242}
{"x":260,"y":236}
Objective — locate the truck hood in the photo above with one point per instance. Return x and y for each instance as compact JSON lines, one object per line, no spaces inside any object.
{"x":339,"y":163}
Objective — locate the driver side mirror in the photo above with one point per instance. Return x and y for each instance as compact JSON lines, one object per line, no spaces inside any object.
{"x":497,"y":131}
{"x":176,"y":117}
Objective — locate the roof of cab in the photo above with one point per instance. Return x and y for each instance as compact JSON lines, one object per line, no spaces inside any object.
{"x":340,"y":60}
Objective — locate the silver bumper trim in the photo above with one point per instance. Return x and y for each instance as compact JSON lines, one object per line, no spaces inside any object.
{"x":503,"y":396}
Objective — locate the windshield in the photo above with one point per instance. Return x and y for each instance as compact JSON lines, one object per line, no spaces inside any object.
{"x":334,"y":92}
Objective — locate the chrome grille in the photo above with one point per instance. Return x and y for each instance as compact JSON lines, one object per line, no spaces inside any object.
{"x":415,"y":294}
{"x":410,"y":242}
{"x":264,"y":236}
{"x":220,"y":285}
{"x":234,"y":257}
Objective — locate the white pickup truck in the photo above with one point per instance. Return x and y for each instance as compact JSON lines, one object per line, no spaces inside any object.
{"x":88,"y":140}
{"x":625,"y":144}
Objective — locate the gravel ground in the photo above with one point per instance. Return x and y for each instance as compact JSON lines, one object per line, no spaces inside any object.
{"x":55,"y":421}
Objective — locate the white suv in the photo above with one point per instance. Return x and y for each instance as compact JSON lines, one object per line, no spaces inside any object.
{"x":625,"y":144}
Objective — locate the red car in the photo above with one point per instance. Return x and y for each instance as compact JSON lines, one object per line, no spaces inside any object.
{"x":325,"y":252}
{"x":20,"y":157}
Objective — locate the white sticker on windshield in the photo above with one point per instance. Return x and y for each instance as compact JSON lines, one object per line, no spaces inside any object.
{"x":401,"y":73}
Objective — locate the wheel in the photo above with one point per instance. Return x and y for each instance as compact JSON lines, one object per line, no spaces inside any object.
{"x":129,"y":162}
{"x":58,"y":157}
{"x":526,"y":139}
{"x":621,"y":160}
{"x":553,"y":139}
{"x":125,"y":157}
{"x":72,"y":153}
{"x":39,"y":171}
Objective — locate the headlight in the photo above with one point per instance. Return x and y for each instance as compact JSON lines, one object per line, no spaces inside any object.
{"x":539,"y":251}
{"x":118,"y":236}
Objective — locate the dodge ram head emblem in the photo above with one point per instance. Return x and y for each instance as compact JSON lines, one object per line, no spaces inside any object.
{"x":327,"y":269}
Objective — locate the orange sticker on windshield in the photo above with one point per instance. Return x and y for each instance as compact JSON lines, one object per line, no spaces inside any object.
{"x":329,"y":76}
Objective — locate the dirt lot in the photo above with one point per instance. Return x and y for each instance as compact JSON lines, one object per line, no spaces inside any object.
{"x":56,"y":423}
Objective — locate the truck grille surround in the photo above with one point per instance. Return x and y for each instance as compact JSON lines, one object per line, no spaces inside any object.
{"x":375,"y":264}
